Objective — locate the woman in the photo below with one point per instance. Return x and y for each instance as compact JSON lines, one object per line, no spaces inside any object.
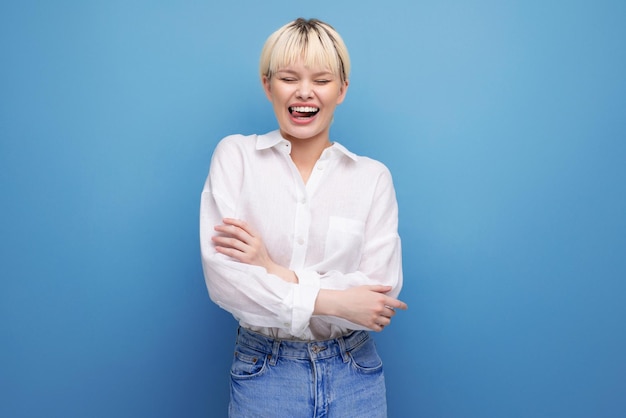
{"x":299,"y":242}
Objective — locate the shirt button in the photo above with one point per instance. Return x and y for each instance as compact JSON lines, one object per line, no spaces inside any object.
{"x":300,"y":241}
{"x":303,"y":200}
{"x":287,"y":324}
{"x":320,"y":167}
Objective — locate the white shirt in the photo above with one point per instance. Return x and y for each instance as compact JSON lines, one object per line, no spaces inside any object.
{"x":337,"y":231}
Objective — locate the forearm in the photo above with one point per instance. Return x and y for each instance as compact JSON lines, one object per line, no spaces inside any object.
{"x":258,"y":298}
{"x":327,"y":302}
{"x":283,"y":272}
{"x":379,"y":264}
{"x":366,"y":306}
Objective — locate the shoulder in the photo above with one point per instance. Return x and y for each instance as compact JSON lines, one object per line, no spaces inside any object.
{"x":363,"y":164}
{"x":234,"y":146}
{"x":378,"y":173}
{"x":372,"y":164}
{"x":236,"y":141}
{"x":249,"y":143}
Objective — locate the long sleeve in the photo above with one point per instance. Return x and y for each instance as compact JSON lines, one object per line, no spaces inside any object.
{"x":248,"y":292}
{"x":380,"y":255}
{"x":337,"y":231}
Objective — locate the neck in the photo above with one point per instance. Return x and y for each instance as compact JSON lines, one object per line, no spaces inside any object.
{"x":306,"y":151}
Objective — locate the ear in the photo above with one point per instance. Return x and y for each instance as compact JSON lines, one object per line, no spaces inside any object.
{"x":342,"y":91}
{"x":267,"y":87}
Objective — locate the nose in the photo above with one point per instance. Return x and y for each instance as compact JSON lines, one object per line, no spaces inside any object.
{"x":305,"y":90}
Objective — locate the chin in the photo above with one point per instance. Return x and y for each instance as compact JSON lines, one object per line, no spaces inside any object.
{"x":302,"y":133}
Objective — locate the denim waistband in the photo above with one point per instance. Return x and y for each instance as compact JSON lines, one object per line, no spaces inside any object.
{"x":276,"y":348}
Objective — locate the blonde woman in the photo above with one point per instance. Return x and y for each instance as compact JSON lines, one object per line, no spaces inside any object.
{"x":299,"y":243}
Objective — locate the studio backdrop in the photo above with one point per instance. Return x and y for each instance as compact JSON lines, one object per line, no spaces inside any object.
{"x":502,"y":122}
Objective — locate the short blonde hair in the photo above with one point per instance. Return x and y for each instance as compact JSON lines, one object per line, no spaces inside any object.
{"x":314,"y":41}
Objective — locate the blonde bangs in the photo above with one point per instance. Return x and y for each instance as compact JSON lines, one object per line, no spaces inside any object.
{"x":316,"y":43}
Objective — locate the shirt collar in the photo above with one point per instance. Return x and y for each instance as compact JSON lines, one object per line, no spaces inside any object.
{"x":272,"y":139}
{"x":269,"y":140}
{"x":339,"y":150}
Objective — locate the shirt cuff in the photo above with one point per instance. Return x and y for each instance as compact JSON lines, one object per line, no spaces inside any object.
{"x":305,"y":294}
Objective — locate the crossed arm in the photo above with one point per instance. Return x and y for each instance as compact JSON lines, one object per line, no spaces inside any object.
{"x":366,"y":305}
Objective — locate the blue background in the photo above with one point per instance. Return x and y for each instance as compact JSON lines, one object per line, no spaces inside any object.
{"x":503,"y":123}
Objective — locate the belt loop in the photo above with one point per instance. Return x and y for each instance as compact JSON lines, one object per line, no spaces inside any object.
{"x":274,"y":355}
{"x":342,"y":347}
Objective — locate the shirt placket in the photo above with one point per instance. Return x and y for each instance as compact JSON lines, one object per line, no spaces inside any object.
{"x":301,"y":230}
{"x":302,"y":221}
{"x":303,"y":210}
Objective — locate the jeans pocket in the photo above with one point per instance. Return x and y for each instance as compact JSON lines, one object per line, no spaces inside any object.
{"x":247,"y":363}
{"x":365,"y":358}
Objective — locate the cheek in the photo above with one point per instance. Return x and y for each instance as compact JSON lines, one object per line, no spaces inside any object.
{"x":281,"y":90}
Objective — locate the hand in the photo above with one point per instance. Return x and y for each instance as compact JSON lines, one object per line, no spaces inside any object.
{"x":368,"y":306}
{"x":240,"y":241}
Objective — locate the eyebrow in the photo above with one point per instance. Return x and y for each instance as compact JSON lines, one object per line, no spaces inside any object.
{"x":318,"y":74}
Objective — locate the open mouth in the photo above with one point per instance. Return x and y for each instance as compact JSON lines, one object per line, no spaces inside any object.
{"x":303,"y":111}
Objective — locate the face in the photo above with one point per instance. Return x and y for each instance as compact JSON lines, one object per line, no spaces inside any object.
{"x":304,"y":100}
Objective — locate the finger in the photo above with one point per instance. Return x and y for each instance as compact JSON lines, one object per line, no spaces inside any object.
{"x":389,"y":311}
{"x":240,"y":224}
{"x":231,"y":252}
{"x":379,"y":288}
{"x":395,"y":304}
{"x":378,"y":327}
{"x":228,"y":242}
{"x":401,"y":305}
{"x":234,"y":231}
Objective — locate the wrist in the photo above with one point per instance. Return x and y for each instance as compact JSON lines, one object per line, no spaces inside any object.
{"x":284,"y":273}
{"x":327,"y":303}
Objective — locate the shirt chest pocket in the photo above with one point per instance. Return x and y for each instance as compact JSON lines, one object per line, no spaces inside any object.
{"x":344,"y":244}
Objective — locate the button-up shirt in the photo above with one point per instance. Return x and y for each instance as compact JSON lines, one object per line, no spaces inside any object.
{"x":337,"y":231}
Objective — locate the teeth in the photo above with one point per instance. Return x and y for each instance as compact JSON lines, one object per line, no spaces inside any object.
{"x":304,"y":109}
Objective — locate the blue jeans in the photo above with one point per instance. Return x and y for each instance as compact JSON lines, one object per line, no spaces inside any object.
{"x":340,"y":378}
